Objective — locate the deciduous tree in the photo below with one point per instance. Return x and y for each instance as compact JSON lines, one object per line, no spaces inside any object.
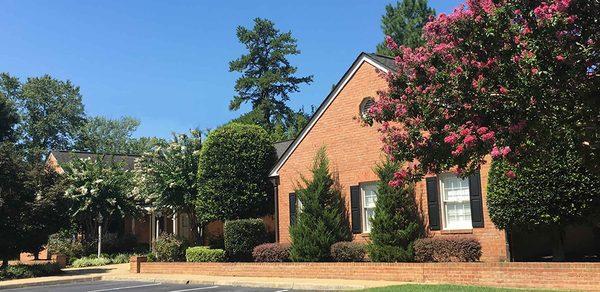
{"x":52,"y":114}
{"x":104,"y":135}
{"x":499,"y":78}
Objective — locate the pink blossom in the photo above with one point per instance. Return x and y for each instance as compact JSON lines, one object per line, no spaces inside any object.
{"x":459,"y":149}
{"x":505,"y":151}
{"x":465,"y":132}
{"x":518,"y":12}
{"x":451,"y":139}
{"x":534,"y":71}
{"x":511,"y":174}
{"x":560,"y":58}
{"x":503,"y":90}
{"x":391,"y":44}
{"x":489,"y":136}
{"x":495,"y":152}
{"x":469,"y":140}
{"x":482,"y":130}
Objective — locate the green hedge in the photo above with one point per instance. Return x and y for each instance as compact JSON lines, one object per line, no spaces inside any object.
{"x":242,"y":236}
{"x":29,"y":271}
{"x":204,"y":254}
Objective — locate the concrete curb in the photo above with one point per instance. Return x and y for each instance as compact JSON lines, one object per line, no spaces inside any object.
{"x":50,"y":282}
{"x":242,"y":282}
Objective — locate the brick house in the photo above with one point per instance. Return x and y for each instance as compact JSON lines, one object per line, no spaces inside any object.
{"x":153,"y":222}
{"x":449,"y":205}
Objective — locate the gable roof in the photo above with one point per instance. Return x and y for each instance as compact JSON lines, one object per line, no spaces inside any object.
{"x":380,"y":62}
{"x":62,"y":157}
{"x":280,"y":147}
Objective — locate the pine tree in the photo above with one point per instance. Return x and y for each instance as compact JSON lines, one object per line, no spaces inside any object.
{"x":396,"y":223}
{"x":322,"y":219}
{"x":404,"y":23}
{"x":267,"y":78}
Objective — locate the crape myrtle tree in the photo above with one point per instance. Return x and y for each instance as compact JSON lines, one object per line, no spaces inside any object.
{"x":549,"y":191}
{"x":95,"y":187}
{"x":396,"y":223}
{"x":233,"y":174}
{"x":267,"y":78}
{"x":504,"y":78}
{"x":404,"y":23}
{"x":166,"y":177}
{"x":322,"y":219}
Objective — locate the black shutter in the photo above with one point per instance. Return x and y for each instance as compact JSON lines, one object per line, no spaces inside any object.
{"x":355,"y":209}
{"x":293,"y":205}
{"x":433,"y":203}
{"x":476,"y":200}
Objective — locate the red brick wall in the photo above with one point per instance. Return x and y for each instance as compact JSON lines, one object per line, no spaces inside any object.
{"x":353,"y":151}
{"x":583,"y":276}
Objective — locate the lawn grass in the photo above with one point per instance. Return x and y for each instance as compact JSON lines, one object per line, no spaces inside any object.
{"x":441,"y":288}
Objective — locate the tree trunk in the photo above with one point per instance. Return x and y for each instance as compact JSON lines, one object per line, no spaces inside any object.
{"x":36,"y":255}
{"x":4,"y":263}
{"x":558,"y":239}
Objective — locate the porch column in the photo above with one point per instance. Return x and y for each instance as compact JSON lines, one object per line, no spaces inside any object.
{"x":152,"y":228}
{"x":175,"y":225}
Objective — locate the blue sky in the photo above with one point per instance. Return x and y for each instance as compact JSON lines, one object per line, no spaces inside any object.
{"x":166,"y":62}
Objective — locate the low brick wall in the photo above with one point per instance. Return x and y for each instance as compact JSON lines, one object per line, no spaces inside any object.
{"x":582,"y":276}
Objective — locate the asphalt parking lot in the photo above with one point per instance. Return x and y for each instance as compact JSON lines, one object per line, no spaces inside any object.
{"x":132,"y":286}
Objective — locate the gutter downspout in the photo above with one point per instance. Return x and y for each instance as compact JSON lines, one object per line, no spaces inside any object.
{"x":275,"y":182}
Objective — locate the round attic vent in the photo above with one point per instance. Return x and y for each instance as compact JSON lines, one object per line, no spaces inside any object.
{"x":365,"y":105}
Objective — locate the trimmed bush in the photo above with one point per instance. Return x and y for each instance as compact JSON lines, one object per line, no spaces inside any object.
{"x":235,"y":161}
{"x":204,"y":254}
{"x":121,"y":258}
{"x":346,"y":251}
{"x":545,"y":192}
{"x":241,"y":236}
{"x":447,"y":249}
{"x":170,"y":248}
{"x":271,"y":252}
{"x":29,"y":271}
{"x":91,"y":261}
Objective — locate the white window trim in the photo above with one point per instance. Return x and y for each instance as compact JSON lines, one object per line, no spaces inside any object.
{"x":466,"y":226}
{"x":363,"y":209}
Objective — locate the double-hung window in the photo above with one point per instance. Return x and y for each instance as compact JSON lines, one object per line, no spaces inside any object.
{"x":456,"y":205}
{"x":369,"y":197}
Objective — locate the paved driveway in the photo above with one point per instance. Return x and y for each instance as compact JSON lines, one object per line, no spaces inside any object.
{"x":133,"y":286}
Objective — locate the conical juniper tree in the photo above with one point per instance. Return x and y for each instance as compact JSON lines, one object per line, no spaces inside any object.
{"x":396,"y":223}
{"x":321,"y":218}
